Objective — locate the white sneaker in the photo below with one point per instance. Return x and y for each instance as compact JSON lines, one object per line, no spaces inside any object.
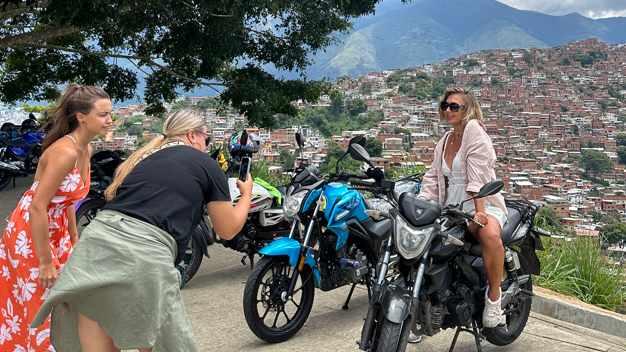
{"x":493,"y":311}
{"x":414,"y":338}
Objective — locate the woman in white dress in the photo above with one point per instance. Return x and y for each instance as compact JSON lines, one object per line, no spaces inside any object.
{"x":464,"y":161}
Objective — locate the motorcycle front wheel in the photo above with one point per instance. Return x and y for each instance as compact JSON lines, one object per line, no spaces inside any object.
{"x":271,"y":315}
{"x":5,"y":180}
{"x":87,"y":212}
{"x":193,"y":259}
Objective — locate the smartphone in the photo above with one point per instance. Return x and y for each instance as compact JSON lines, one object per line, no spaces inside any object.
{"x":245,"y":168}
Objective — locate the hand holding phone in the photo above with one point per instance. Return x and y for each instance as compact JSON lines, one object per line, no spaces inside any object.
{"x":245,"y":168}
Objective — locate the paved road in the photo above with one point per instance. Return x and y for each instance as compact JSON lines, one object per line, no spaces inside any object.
{"x":214,"y":302}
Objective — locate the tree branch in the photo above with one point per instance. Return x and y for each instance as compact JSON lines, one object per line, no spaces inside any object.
{"x":28,"y":38}
{"x":12,"y":10}
{"x":148,"y":60}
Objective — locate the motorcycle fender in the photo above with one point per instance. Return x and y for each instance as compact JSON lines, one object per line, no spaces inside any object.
{"x":291,"y":248}
{"x":395,"y":302}
{"x":199,"y":235}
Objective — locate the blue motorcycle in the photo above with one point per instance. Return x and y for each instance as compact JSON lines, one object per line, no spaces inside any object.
{"x":19,"y":156}
{"x":341,"y":246}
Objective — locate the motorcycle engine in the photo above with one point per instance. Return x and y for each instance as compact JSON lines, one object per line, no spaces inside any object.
{"x":350,"y":268}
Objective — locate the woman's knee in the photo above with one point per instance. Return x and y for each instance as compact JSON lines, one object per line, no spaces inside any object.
{"x":490,"y":236}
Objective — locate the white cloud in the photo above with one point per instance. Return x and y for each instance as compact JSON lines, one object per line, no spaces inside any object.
{"x":589,"y":8}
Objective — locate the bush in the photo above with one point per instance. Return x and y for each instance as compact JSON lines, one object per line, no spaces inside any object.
{"x":577,"y":268}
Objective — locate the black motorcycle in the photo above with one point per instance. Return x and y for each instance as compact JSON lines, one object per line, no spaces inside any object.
{"x":20,"y":150}
{"x":103,"y":165}
{"x":440,"y":281}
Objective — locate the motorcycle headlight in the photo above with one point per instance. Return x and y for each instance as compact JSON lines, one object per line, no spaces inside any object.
{"x":292,"y":205}
{"x":411,"y":242}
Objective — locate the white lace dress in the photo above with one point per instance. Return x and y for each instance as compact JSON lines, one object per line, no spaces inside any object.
{"x":455,"y":193}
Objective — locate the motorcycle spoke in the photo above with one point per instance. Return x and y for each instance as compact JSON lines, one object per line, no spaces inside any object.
{"x":266,"y":311}
{"x":294,"y":303}
{"x":285,"y":314}
{"x":276,"y":319}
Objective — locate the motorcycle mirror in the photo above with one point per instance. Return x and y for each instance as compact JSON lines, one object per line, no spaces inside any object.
{"x":360,"y":140}
{"x":490,"y":189}
{"x":357,"y":152}
{"x":244,"y":138}
{"x":32,"y":117}
{"x":299,"y":140}
{"x":215,"y":154}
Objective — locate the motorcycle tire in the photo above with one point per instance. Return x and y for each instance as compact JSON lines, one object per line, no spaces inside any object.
{"x":191,"y":268}
{"x":387,"y":336}
{"x":87,"y":212}
{"x":515,"y":323}
{"x":5,"y":180}
{"x":277,"y":283}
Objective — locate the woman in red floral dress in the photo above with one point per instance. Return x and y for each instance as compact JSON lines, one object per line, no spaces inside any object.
{"x":41,"y":232}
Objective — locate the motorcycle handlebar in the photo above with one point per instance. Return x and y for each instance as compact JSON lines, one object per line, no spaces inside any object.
{"x":363,"y":183}
{"x":459,"y":213}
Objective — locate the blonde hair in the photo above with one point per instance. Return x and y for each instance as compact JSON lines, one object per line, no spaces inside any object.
{"x":179,"y":124}
{"x":472,"y":108}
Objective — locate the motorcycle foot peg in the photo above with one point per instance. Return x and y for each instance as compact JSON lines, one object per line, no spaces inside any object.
{"x":527,"y":293}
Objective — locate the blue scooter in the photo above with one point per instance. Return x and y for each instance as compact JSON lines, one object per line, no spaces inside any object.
{"x":19,"y":156}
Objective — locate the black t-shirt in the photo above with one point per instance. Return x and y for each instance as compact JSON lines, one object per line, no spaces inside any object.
{"x":168,"y":189}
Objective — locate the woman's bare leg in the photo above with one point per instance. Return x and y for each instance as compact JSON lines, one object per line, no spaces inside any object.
{"x":493,"y":253}
{"x":92,"y":338}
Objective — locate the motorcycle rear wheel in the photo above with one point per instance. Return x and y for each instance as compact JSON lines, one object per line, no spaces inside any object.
{"x":192,"y":264}
{"x":515,"y":322}
{"x":269,"y":278}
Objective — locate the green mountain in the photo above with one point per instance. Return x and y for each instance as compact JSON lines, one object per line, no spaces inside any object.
{"x":435,"y":30}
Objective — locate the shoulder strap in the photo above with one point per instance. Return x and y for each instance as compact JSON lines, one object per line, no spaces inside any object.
{"x":75,"y":145}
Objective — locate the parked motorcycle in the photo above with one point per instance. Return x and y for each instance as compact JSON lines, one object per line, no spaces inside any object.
{"x":19,"y":157}
{"x":280,"y":290}
{"x":266,"y":221}
{"x":440,"y":280}
{"x":103,"y":165}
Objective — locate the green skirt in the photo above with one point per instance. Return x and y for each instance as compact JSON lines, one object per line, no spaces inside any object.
{"x":121,"y":275}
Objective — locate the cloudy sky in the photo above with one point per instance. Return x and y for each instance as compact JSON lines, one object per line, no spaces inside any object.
{"x":589,"y":8}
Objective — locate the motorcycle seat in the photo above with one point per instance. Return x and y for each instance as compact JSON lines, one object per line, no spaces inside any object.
{"x":506,"y":234}
{"x":13,"y":143}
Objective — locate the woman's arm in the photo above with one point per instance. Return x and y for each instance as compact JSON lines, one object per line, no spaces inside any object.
{"x":227,"y":220}
{"x":54,"y":172}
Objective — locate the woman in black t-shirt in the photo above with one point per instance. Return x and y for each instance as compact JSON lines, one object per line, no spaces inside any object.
{"x":120,"y":283}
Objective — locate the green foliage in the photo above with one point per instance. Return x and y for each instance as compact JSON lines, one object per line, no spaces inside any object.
{"x":596,"y":163}
{"x":547,"y":219}
{"x":260,"y":169}
{"x":595,"y":180}
{"x":35,"y":108}
{"x":287,"y":158}
{"x":576,"y":268}
{"x":400,"y":130}
{"x":621,"y":154}
{"x":566,"y":61}
{"x":357,"y":106}
{"x":575,"y":130}
{"x":532,"y":155}
{"x":208,"y":103}
{"x":527,"y":57}
{"x":374,"y":147}
{"x":504,"y":133}
{"x":335,"y":153}
{"x":564,"y":108}
{"x":594,"y":192}
{"x":330,"y":121}
{"x":614,"y":232}
{"x":589,"y":58}
{"x":143,"y":141}
{"x":621,"y":139}
{"x":366,"y":89}
{"x":176,"y":45}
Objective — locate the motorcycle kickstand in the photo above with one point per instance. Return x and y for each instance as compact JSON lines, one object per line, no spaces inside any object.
{"x":251,"y":261}
{"x":474,"y":331}
{"x":345,"y":305}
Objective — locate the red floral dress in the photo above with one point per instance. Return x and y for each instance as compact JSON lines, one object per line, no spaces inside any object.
{"x":20,"y":297}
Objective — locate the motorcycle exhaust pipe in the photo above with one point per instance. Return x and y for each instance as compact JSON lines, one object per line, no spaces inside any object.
{"x":11,"y":169}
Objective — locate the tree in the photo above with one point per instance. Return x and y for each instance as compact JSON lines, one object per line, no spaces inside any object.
{"x":334,"y":153}
{"x":374,"y":147}
{"x":208,"y":103}
{"x":614,"y":232}
{"x":143,"y":141}
{"x":176,"y":44}
{"x":596,"y":163}
{"x":366,"y":89}
{"x":357,"y":106}
{"x":400,"y":130}
{"x":528,"y":57}
{"x":595,"y":215}
{"x":532,"y":155}
{"x":286,"y":158}
{"x":575,"y":130}
{"x":566,"y":61}
{"x":621,"y":139}
{"x":621,"y":154}
{"x":564,"y":108}
{"x":594,"y":192}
